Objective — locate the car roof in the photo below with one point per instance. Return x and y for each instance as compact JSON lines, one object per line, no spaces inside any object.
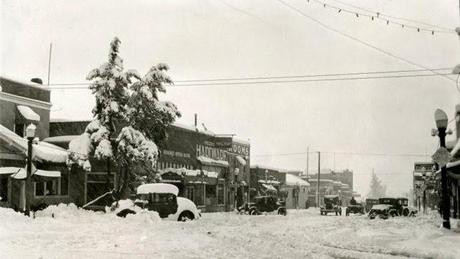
{"x":157,"y":188}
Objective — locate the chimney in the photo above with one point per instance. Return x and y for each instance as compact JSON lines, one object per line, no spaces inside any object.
{"x":196,"y":120}
{"x":37,"y":80}
{"x":457,"y":120}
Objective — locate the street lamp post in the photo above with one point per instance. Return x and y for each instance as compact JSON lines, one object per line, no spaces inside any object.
{"x":441,"y":123}
{"x":30,"y":134}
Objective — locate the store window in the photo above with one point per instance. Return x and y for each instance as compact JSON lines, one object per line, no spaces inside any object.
{"x":220,"y":194}
{"x":57,"y":186}
{"x":211,"y":194}
{"x":19,"y":129}
{"x":199,"y":194}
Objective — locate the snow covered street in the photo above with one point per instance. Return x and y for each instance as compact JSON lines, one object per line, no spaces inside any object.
{"x":74,"y":233}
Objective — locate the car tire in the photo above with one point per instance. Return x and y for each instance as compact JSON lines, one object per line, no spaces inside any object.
{"x":125,"y":212}
{"x":253,"y":211}
{"x":405,"y":212}
{"x":186,"y":216}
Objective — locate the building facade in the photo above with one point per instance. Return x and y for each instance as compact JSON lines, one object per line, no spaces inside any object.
{"x":22,"y":104}
{"x":207,"y":168}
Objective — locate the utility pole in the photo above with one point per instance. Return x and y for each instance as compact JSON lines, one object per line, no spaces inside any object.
{"x":317,"y":184}
{"x":49,"y":63}
{"x":308,"y":160}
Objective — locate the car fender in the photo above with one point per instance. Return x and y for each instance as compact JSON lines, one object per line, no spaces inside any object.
{"x":184,"y":204}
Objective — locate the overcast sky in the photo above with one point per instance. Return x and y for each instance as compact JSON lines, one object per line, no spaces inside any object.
{"x":219,"y":39}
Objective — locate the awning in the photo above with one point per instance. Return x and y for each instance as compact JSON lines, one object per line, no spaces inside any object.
{"x":210,"y":161}
{"x":41,"y":151}
{"x":294,"y":180}
{"x":21,"y":174}
{"x":241,"y":160}
{"x":9,"y":170}
{"x":28,"y":113}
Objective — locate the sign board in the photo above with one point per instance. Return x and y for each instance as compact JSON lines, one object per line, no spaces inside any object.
{"x":441,"y":157}
{"x":223,"y":142}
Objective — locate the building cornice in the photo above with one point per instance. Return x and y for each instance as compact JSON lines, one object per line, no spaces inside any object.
{"x":25,"y":101}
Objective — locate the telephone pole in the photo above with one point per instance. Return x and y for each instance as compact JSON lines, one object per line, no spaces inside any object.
{"x":308,"y":160}
{"x":317,"y":184}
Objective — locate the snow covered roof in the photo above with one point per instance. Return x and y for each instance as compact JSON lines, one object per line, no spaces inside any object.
{"x":193,"y":128}
{"x":241,"y":141}
{"x":188,"y":172}
{"x":210,"y":161}
{"x":294,"y":180}
{"x":58,"y":139}
{"x":157,"y":188}
{"x":41,"y":151}
{"x":28,"y":113}
{"x":268,"y":168}
{"x":28,"y":83}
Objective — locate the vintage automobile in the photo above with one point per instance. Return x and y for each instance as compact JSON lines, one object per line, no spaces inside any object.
{"x":331,"y":205}
{"x":264,"y":204}
{"x":404,"y":209}
{"x":399,"y":206}
{"x":370,"y":203}
{"x":354,"y":209}
{"x":162,"y":198}
{"x":380,"y":211}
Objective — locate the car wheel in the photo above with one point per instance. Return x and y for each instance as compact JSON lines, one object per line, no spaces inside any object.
{"x":125,"y":212}
{"x":393,"y":213}
{"x":253,"y":212}
{"x":186,"y":216}
{"x":282,"y":212}
{"x":406,"y":212}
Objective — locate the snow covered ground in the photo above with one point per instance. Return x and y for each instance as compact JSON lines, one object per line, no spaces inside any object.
{"x":74,"y":233}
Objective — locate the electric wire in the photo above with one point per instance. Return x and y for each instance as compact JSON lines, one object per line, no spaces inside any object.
{"x":220,"y":83}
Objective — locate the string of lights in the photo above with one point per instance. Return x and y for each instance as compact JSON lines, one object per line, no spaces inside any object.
{"x":385,"y":18}
{"x":393,"y":17}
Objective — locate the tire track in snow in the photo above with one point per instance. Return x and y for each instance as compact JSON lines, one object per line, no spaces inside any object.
{"x":391,"y":254}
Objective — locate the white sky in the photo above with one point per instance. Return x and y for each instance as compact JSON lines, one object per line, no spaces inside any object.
{"x":217,"y":39}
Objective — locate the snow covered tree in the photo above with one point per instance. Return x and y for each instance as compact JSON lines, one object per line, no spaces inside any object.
{"x":128,"y":120}
{"x":377,"y":189}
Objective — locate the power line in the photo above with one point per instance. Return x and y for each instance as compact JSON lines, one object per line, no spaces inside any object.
{"x":78,"y":85}
{"x":286,"y":77}
{"x":394,"y":17}
{"x":358,"y":40}
{"x":342,"y":153}
{"x":378,"y":16}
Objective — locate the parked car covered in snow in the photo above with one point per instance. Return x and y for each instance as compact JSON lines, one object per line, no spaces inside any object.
{"x":162,"y":198}
{"x":380,"y":211}
{"x":331,"y":205}
{"x":354,"y":209}
{"x":370,"y":203}
{"x":404,"y":208}
{"x":264,"y":204}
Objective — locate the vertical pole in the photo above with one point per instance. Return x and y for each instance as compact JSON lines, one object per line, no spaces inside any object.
{"x":317,"y":184}
{"x":29,"y":174}
{"x":308,"y":160}
{"x":49,"y":63}
{"x":445,"y":194}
